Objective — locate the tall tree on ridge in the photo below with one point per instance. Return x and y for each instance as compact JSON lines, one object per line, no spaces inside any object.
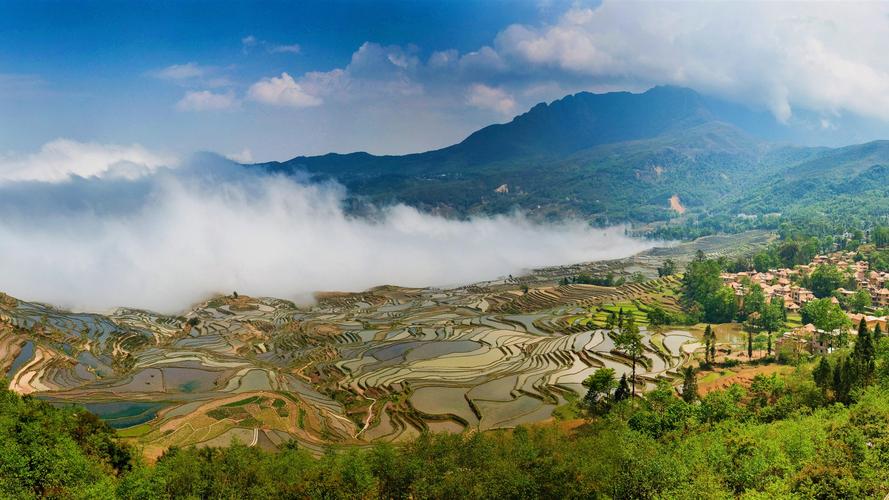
{"x":629,"y":342}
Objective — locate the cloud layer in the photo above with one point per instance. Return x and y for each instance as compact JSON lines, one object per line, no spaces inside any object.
{"x":172,"y":236}
{"x":824,"y":56}
{"x":809,"y":64}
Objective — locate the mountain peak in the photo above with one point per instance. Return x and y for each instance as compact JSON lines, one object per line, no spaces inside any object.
{"x":585,"y":119}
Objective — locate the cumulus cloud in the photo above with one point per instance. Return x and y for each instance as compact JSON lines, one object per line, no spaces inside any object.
{"x":825,"y":57}
{"x":166,"y":240}
{"x":62,"y":158}
{"x":204,"y":100}
{"x":484,"y":97}
{"x":282,"y":91}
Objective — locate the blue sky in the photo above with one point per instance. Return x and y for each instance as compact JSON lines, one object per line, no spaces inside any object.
{"x":87,"y":70}
{"x":271,"y":80}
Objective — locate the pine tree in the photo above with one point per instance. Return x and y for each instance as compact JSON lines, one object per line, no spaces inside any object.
{"x":750,"y":344}
{"x":823,"y":374}
{"x":838,"y":373}
{"x":612,"y":321}
{"x":689,"y":384}
{"x":707,"y":333}
{"x":623,"y":389}
{"x":863,"y":355}
{"x":629,"y":341}
{"x":877,"y":335}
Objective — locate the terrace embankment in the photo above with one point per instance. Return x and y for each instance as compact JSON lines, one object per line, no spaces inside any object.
{"x":381,"y":365}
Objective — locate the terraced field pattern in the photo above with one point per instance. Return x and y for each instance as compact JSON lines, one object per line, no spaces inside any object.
{"x":352,"y":368}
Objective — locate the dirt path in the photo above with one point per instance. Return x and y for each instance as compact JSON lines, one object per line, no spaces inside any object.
{"x":739,"y":375}
{"x":370,"y":416}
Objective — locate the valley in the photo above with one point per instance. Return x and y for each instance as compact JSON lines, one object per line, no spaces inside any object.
{"x":354,"y":368}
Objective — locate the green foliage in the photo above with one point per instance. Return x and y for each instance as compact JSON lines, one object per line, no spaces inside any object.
{"x":629,"y":342}
{"x":50,"y":452}
{"x":667,"y":268}
{"x":689,"y":384}
{"x":825,"y":279}
{"x":702,"y":289}
{"x":599,"y":388}
{"x":824,"y":314}
{"x":586,"y":279}
{"x":860,"y":301}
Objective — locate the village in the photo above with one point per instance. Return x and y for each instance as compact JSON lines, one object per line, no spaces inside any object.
{"x":786,"y":284}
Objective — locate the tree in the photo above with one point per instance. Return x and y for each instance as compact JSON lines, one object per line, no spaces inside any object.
{"x":657,"y":316}
{"x":763,"y":261}
{"x":859,"y":301}
{"x":599,"y":386}
{"x":629,"y":342}
{"x":842,"y":379}
{"x":824,"y":314}
{"x":823,"y":374}
{"x":754,"y":300}
{"x":877,"y":335}
{"x":689,"y":384}
{"x":864,"y":355}
{"x":772,"y":318}
{"x":611,"y":321}
{"x":825,"y":279}
{"x":708,"y":332}
{"x":667,"y":268}
{"x":623,"y":389}
{"x":751,"y":326}
{"x":721,"y":307}
{"x":702,"y":289}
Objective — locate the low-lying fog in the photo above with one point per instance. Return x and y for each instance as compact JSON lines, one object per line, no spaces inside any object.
{"x":122,"y":230}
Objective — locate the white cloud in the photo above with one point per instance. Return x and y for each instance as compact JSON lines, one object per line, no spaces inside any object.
{"x":180,"y":72}
{"x":282,"y":91}
{"x":204,"y":100}
{"x":250,"y":42}
{"x":827,"y":57}
{"x":481,"y":96}
{"x":292,"y":48}
{"x":168,"y":240}
{"x":58,"y":160}
{"x":245,"y":156}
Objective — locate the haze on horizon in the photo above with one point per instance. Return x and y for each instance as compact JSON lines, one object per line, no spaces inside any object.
{"x":162,"y":238}
{"x":102,"y":204}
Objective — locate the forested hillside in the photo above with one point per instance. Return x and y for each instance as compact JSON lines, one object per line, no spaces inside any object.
{"x":619,"y":157}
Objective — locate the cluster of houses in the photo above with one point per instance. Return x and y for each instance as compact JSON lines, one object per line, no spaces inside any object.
{"x":780,"y":283}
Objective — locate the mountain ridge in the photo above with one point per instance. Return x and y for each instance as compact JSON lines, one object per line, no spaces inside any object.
{"x":612,"y":157}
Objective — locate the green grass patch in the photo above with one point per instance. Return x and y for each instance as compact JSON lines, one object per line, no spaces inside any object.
{"x":243,"y":402}
{"x":301,"y":419}
{"x":569,"y":410}
{"x":135,"y":431}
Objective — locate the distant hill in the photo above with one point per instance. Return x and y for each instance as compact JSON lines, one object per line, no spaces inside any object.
{"x":853,"y":180}
{"x":607,"y":157}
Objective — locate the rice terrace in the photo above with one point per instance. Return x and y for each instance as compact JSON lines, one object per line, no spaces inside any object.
{"x":353,"y":368}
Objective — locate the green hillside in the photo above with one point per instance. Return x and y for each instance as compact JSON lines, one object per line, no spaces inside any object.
{"x":620,"y":157}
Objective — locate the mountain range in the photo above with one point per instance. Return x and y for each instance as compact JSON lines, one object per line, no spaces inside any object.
{"x":616,"y":157}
